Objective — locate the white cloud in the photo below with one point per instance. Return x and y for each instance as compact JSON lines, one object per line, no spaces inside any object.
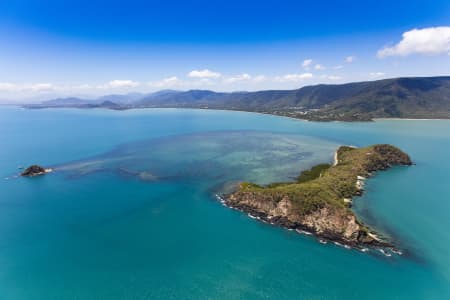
{"x":431,"y":41}
{"x":259,"y":78}
{"x":376,"y":74}
{"x":204,"y":74}
{"x":307,"y":63}
{"x":83,"y":86}
{"x":240,"y":77}
{"x":319,"y":67}
{"x":333,"y":77}
{"x":293,"y":77}
{"x":350,"y":59}
{"x":244,"y":77}
{"x":338,"y":67}
{"x":166,"y":82}
{"x":26,"y":87}
{"x":201,"y":82}
{"x":122,"y":84}
{"x":117,"y":84}
{"x":41,"y":87}
{"x":7,"y":87}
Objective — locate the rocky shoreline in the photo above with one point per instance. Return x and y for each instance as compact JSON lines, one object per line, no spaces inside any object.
{"x":378,"y":245}
{"x":327,"y":221}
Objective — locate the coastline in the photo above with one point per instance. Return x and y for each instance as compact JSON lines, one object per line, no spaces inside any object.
{"x":409,"y":119}
{"x":335,"y":158}
{"x":380,"y":246}
{"x":24,"y":106}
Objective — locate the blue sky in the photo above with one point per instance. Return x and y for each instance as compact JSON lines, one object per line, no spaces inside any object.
{"x":86,"y":48}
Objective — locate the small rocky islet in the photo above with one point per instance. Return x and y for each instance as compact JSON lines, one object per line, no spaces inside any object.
{"x":319,"y":201}
{"x":35,"y":170}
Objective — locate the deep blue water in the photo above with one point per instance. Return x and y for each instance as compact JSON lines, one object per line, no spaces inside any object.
{"x":130,"y":211}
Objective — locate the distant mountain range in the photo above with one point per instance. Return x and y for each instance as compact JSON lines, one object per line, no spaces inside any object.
{"x":413,"y":97}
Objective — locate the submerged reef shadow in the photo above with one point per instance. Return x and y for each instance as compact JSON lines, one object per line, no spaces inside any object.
{"x":215,"y":156}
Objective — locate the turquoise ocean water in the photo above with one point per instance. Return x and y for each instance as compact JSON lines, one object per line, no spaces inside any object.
{"x":130,"y":211}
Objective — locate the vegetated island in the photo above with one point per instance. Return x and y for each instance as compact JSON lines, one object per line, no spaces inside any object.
{"x":35,"y":170}
{"x":319,"y":201}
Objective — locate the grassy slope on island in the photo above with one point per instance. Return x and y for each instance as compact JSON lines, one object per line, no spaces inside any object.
{"x":320,"y":193}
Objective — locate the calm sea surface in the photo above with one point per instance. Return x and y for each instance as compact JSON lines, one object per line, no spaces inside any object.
{"x":130,"y":211}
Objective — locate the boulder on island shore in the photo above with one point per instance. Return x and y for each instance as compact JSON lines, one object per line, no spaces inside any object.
{"x":34,"y":170}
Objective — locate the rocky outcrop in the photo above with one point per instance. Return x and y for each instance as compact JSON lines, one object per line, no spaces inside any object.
{"x":34,"y":170}
{"x":321,"y":205}
{"x":327,"y":222}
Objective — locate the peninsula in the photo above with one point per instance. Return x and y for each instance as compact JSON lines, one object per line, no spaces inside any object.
{"x":319,"y":201}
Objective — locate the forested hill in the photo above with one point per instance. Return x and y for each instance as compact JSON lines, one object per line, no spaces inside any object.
{"x":418,"y":97}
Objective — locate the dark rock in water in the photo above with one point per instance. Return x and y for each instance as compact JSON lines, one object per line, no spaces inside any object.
{"x":34,"y":170}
